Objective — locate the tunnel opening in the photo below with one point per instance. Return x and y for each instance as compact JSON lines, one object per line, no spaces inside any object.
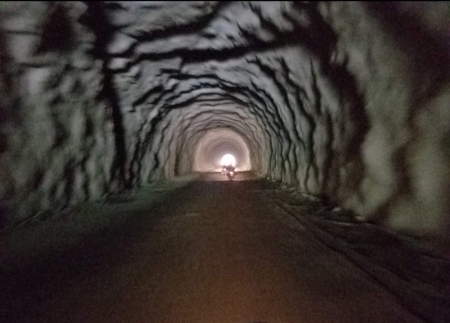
{"x":176,"y":138}
{"x":217,"y":143}
{"x":228,"y":160}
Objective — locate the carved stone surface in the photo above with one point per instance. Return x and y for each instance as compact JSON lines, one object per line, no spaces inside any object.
{"x":347,"y":101}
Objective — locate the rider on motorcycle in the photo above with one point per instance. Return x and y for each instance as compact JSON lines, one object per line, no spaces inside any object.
{"x":230,"y":168}
{"x":230,"y":172}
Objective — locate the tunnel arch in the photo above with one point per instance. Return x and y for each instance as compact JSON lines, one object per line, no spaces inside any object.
{"x":217,"y":142}
{"x":327,"y":95}
{"x":185,"y":123}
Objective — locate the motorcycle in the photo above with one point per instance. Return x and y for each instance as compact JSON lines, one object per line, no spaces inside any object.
{"x":231,"y":174}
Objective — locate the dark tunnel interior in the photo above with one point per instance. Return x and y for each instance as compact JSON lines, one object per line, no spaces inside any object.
{"x":342,"y":104}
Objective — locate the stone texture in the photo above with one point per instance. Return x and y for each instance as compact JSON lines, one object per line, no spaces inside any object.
{"x":58,"y":133}
{"x":347,"y":101}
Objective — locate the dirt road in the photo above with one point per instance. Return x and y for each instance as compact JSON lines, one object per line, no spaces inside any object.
{"x":214,"y":252}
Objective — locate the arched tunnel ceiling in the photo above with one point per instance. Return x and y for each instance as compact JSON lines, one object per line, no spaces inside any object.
{"x":214,"y":144}
{"x":339,"y":99}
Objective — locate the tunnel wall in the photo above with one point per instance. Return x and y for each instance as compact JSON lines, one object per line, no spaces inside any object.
{"x":57,"y":133}
{"x":344,"y":100}
{"x":398,"y":54}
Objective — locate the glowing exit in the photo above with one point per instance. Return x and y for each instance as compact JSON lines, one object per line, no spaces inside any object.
{"x":228,"y":160}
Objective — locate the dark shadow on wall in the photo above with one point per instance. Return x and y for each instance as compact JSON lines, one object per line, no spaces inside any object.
{"x":184,"y":29}
{"x":145,"y":147}
{"x":427,"y":58}
{"x":198,"y":26}
{"x":352,"y":157}
{"x":428,"y":51}
{"x":9,"y":114}
{"x":316,"y":37}
{"x":96,"y":19}
{"x":322,"y":44}
{"x":58,"y":34}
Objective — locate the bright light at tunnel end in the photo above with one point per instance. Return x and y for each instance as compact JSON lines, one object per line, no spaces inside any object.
{"x":228,"y":159}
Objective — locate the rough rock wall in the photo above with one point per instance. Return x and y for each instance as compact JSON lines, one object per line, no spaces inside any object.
{"x":399,"y":56}
{"x":345,"y":100}
{"x":334,"y":91}
{"x":56,"y":130}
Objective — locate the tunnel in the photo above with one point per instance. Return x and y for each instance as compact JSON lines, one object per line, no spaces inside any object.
{"x":215,"y":145}
{"x":107,"y":107}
